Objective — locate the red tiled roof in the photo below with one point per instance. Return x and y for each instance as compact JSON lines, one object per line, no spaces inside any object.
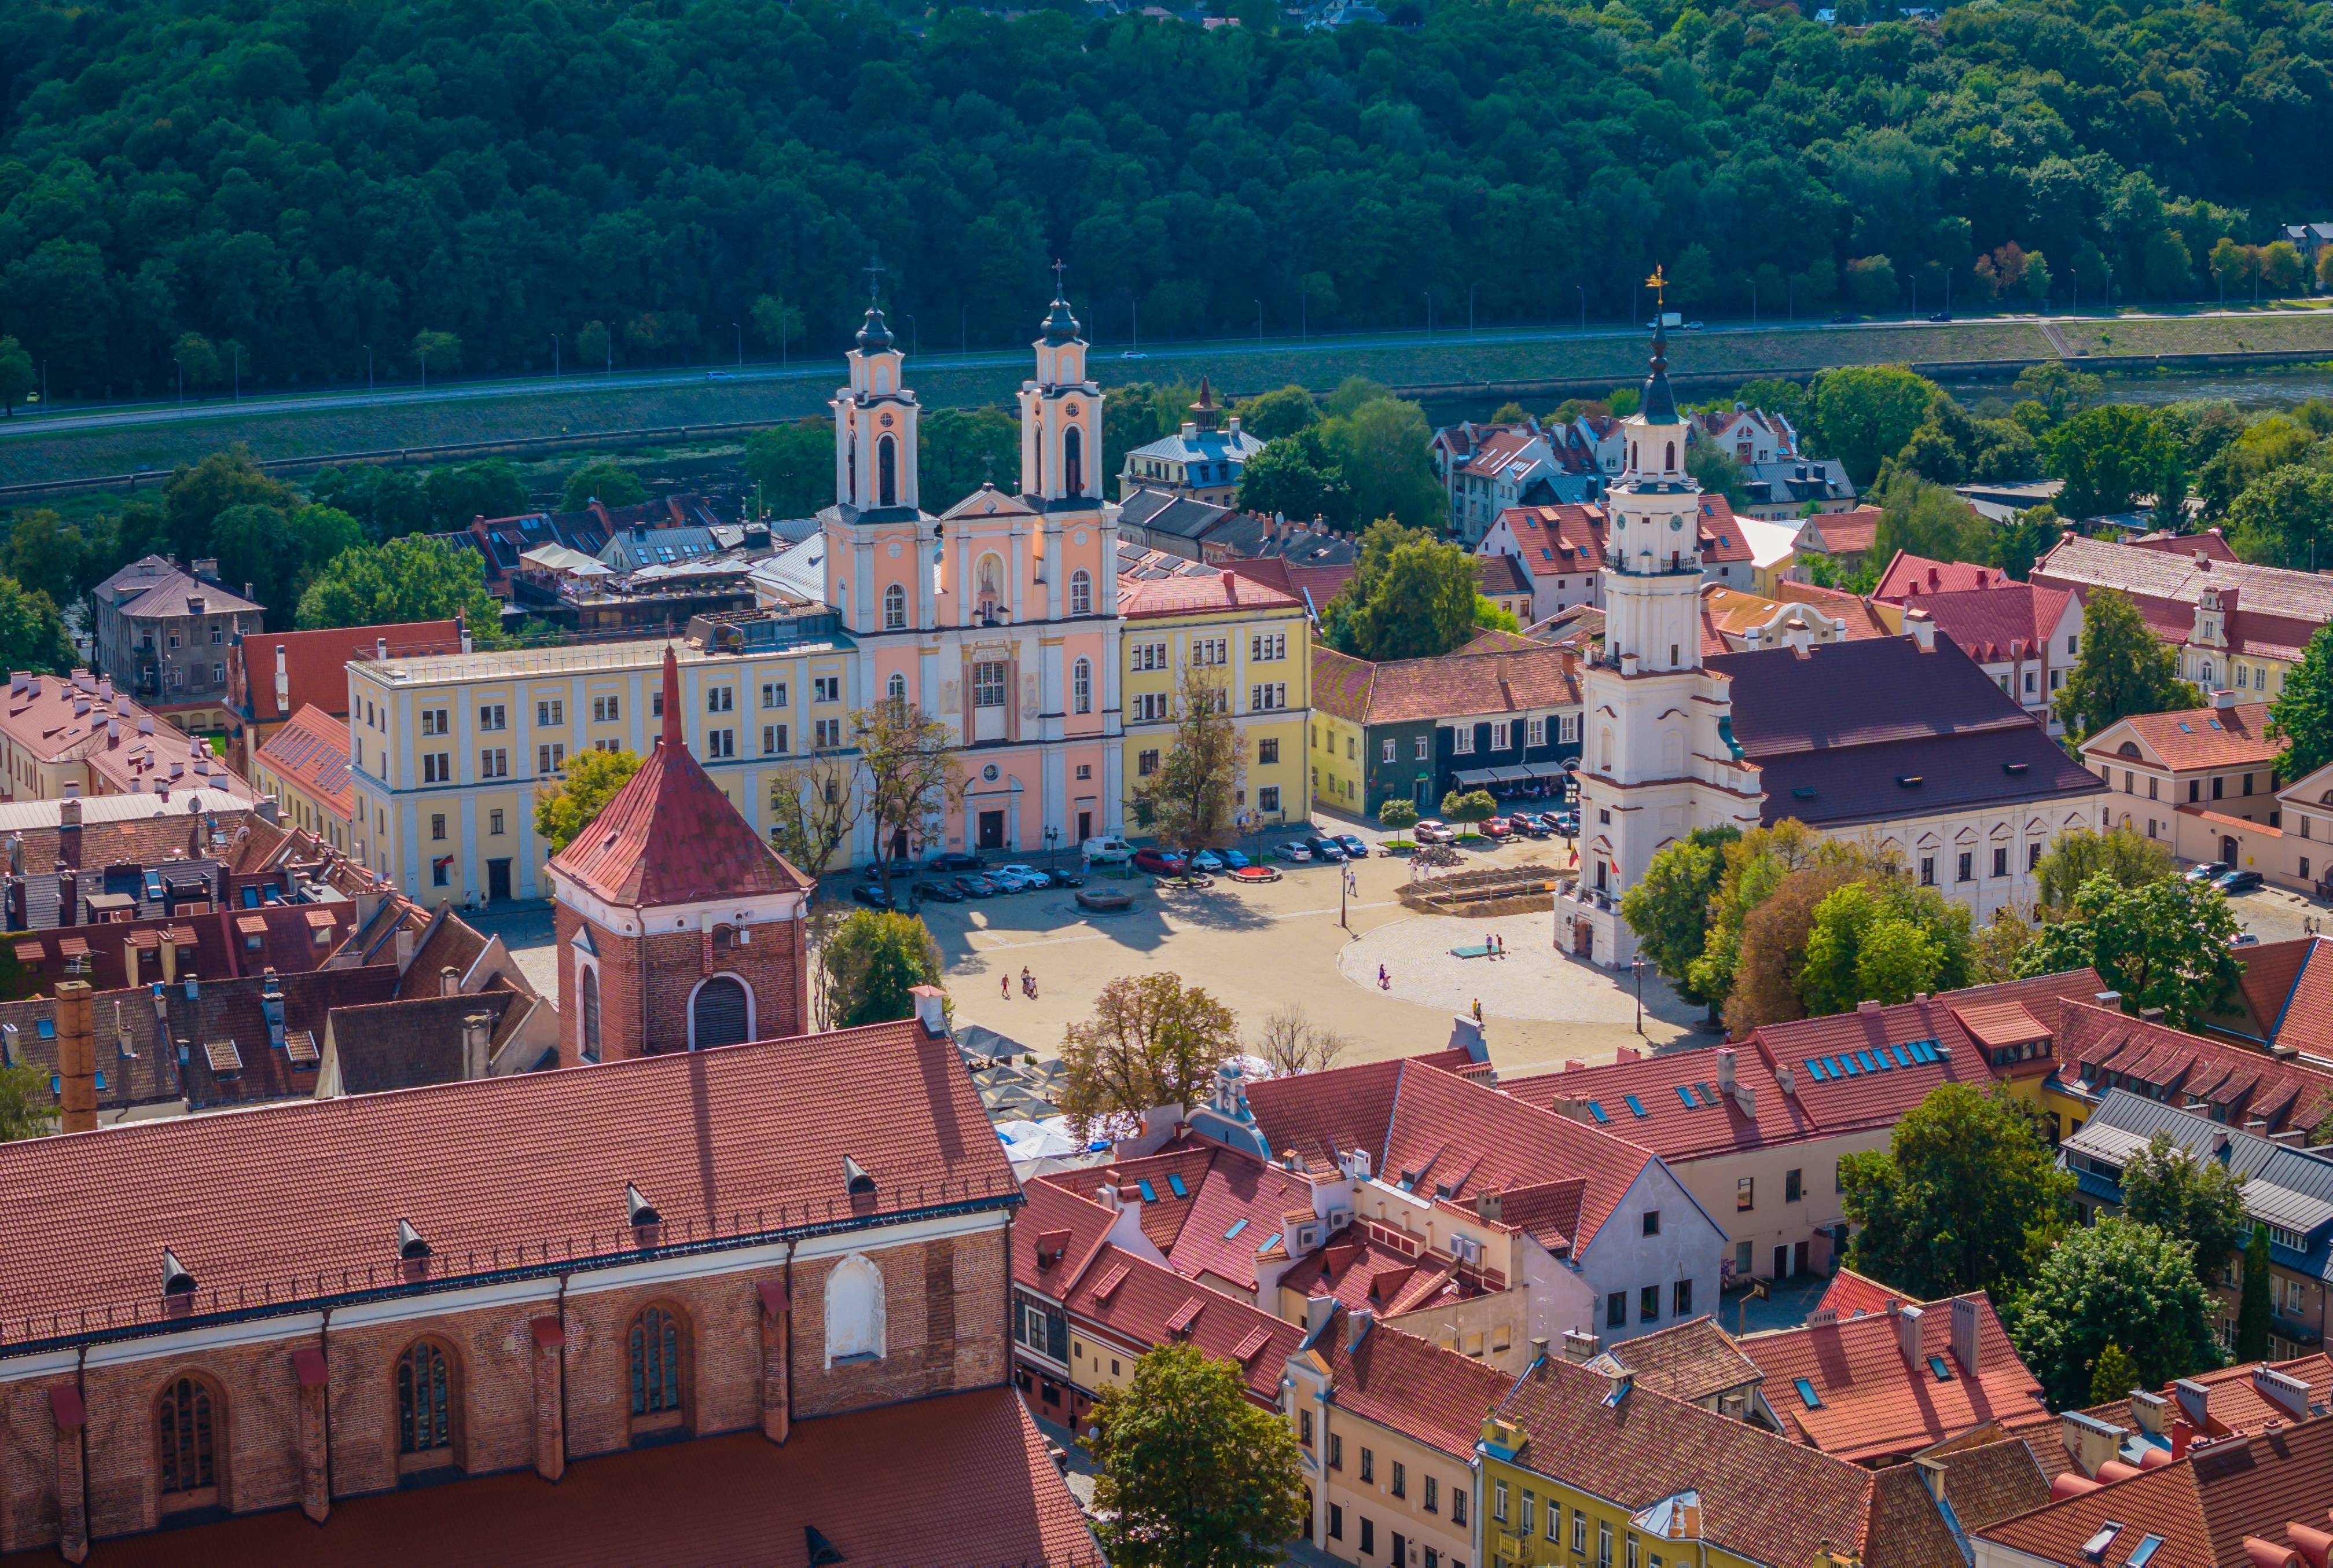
{"x":2300,"y":1014}
{"x":1720,"y":532}
{"x":1874,"y":1404}
{"x":2195,"y":737}
{"x":1223,"y":1190}
{"x":313,"y":752}
{"x":1558,"y":541}
{"x":1849,"y":533}
{"x":1055,"y":1237}
{"x":1852,"y":1295}
{"x":1340,"y":683}
{"x":2287,"y":598}
{"x":669,"y":836}
{"x":1764,"y":1498}
{"x":1910,"y":577}
{"x":1691,"y":1360}
{"x":2100,"y":1048}
{"x":1139,"y":597}
{"x":1360,"y":1272}
{"x":1420,"y":1122}
{"x":1162,"y":1214}
{"x":2211,"y":542}
{"x":1319,"y":583}
{"x":1406,"y":690}
{"x":315,"y":663}
{"x":1145,"y":1304}
{"x":2003,"y":622}
{"x":1497,"y":575}
{"x":1411,"y":1385}
{"x":928,"y":1484}
{"x":2208,"y":1509}
{"x":747,"y":1138}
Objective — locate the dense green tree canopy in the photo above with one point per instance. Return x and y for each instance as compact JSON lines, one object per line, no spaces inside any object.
{"x":1965,"y":1196}
{"x":2115,"y":1284}
{"x":2161,"y":944}
{"x":466,"y":178}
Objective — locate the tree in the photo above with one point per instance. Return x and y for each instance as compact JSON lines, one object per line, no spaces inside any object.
{"x":2123,"y":668}
{"x":563,"y":809}
{"x":871,"y":960}
{"x":24,"y":1103}
{"x":1190,"y":1473}
{"x":412,"y":578}
{"x":2325,"y":269}
{"x":2061,"y":390}
{"x":1296,"y":476}
{"x":1469,"y":806}
{"x":2076,"y":855}
{"x":2284,"y":518}
{"x":31,"y":634}
{"x":2113,"y":1377}
{"x":1269,"y":416}
{"x":1967,"y":1194}
{"x":956,"y":451}
{"x":814,"y":806}
{"x":1863,"y":416}
{"x":913,"y":776}
{"x":1189,"y":803}
{"x":593,"y":345}
{"x":2196,"y":1200}
{"x":1412,"y":597}
{"x":1718,"y":471}
{"x":2301,"y":713}
{"x":439,"y":353}
{"x":2109,"y":457}
{"x":1770,"y":952}
{"x":17,"y":376}
{"x":42,"y":554}
{"x":1290,"y":1042}
{"x":1384,"y":449}
{"x":2254,"y":1306}
{"x":490,"y":488}
{"x":1397,"y":814}
{"x":197,"y":494}
{"x":1668,"y":905}
{"x":775,"y":322}
{"x":610,"y":483}
{"x":793,"y":466}
{"x":1998,"y":949}
{"x":198,"y":362}
{"x":1927,"y":520}
{"x":1151,"y":1041}
{"x":2164,"y":944}
{"x":2114,"y":1283}
{"x":1860,"y":950}
{"x":388,"y":502}
{"x":1755,"y":865}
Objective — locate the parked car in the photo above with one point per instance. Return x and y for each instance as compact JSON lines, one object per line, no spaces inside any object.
{"x":1324,"y":848}
{"x":1568,"y":823}
{"x":1207,"y":860}
{"x":872,"y":896}
{"x":952,"y":860}
{"x":1693,"y":326}
{"x":2245,"y":939}
{"x":1030,"y":876}
{"x":1355,"y":846}
{"x":1160,"y":863}
{"x":939,"y":889}
{"x":1433,"y":831}
{"x":1236,"y":860}
{"x":2210,"y":870}
{"x":1107,"y":851}
{"x":1530,"y":824}
{"x":1942,"y":316}
{"x":976,"y":886}
{"x":2238,"y":882}
{"x":1498,"y":828}
{"x":1291,"y":851}
{"x":1067,"y":878}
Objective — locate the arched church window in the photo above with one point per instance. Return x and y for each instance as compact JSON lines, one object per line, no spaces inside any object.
{"x":894,"y":608}
{"x":185,"y":1425}
{"x":655,"y":1350}
{"x":425,"y":1403}
{"x":854,"y":1311}
{"x":1081,"y":592}
{"x":1081,"y":686}
{"x":1073,"y":461}
{"x":591,"y":1013}
{"x":1632,"y":454}
{"x":1671,"y":464}
{"x":897,"y":688}
{"x":719,"y":1014}
{"x":1607,"y":749}
{"x":850,"y":471}
{"x":887,"y":472}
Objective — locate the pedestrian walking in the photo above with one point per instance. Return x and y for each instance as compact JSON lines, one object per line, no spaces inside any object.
{"x":1004,"y":986}
{"x":1478,"y":1009}
{"x":1381,"y":977}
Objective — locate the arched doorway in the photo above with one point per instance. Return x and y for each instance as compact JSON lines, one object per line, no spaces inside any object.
{"x":2228,"y":848}
{"x":720,"y":1014}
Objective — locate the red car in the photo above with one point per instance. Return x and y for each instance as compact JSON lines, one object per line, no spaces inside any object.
{"x":1498,"y":828}
{"x":1159,"y":862}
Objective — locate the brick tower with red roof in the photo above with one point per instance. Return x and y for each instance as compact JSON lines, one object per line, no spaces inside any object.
{"x":679,"y":928}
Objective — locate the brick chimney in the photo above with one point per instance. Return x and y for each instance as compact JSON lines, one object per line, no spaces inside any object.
{"x":76,"y":1057}
{"x":1965,"y":1335}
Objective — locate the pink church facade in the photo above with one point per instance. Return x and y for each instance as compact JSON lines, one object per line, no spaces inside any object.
{"x":997,"y":617}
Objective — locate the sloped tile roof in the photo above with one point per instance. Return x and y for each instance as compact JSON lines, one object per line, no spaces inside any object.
{"x":2204,"y":1507}
{"x":405,"y":1045}
{"x":1411,"y":1385}
{"x":1850,"y":1295}
{"x":1151,"y":1304}
{"x":1163,"y":1213}
{"x":315,"y":663}
{"x":1500,"y":575}
{"x":744,"y":1140}
{"x":1560,"y":540}
{"x":2005,"y":622}
{"x":1762,"y":1498}
{"x":1850,"y":533}
{"x":1986,"y":1483}
{"x":1188,"y":593}
{"x":669,"y":836}
{"x":2211,"y":542}
{"x":1456,"y":685}
{"x":2271,"y":970}
{"x":2305,"y":598}
{"x":1361,"y":1272}
{"x":313,"y":752}
{"x":174,"y":594}
{"x":1077,"y":1227}
{"x":932,"y":1483}
{"x":1909,"y":577}
{"x":2100,"y":1048}
{"x":2196,"y":737}
{"x":1874,"y":1405}
{"x":1691,"y":1361}
{"x":1340,"y":683}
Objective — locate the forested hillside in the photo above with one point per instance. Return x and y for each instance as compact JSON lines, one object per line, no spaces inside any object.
{"x":294,"y":181}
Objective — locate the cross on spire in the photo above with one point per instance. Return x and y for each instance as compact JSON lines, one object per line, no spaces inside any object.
{"x":874,"y":274}
{"x":1059,"y":267}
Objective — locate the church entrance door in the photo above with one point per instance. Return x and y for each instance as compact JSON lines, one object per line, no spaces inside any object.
{"x":992,"y":830}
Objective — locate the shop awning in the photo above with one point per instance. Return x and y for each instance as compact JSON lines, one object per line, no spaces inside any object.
{"x":1475,"y":778}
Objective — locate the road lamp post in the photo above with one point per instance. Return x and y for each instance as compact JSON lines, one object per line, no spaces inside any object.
{"x":554,"y":356}
{"x":1469,"y":308}
{"x":741,"y":341}
{"x":1582,"y":289}
{"x":914,"y":339}
{"x":1636,"y":967}
{"x":1053,"y":853}
{"x":1259,"y":323}
{"x":368,"y":349}
{"x":1429,"y":310}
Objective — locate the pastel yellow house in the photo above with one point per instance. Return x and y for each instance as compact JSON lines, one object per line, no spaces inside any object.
{"x":1580,"y":1465}
{"x":1256,"y":642}
{"x":447,"y":753}
{"x":304,"y":765}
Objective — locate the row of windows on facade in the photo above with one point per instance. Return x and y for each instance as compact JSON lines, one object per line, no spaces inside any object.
{"x":1528,"y":1518}
{"x":989,"y":595}
{"x":1463,"y":738}
{"x":218,"y":631}
{"x":175,"y":677}
{"x":551,"y":713}
{"x":1399,"y":1481}
{"x":1964,"y":866}
{"x":2195,"y":785}
{"x":550,"y":756}
{"x":1262,"y":647}
{"x":2247,"y":678}
{"x":1158,"y":706}
{"x":1267,"y":755}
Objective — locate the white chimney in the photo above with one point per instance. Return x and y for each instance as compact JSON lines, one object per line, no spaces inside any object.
{"x":1965,"y":1349}
{"x":1921,"y":627}
{"x":1725,"y":1068}
{"x":1908,"y":1337}
{"x":282,"y":679}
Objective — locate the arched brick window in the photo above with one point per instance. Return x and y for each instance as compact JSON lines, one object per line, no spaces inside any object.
{"x":185,"y":1426}
{"x":720,"y":1014}
{"x":591,"y":1012}
{"x":425,"y":1406}
{"x":656,"y":1347}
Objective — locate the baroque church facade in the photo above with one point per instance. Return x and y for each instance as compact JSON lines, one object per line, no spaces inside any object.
{"x":999,"y":616}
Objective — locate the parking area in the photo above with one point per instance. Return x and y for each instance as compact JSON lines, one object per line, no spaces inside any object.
{"x":2277,"y":914}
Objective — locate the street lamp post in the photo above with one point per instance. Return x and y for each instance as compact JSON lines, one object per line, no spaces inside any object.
{"x":368,"y":349}
{"x":1052,"y":856}
{"x":1429,"y":310}
{"x":914,"y":339}
{"x":1259,"y":323}
{"x":554,"y":356}
{"x":1636,"y":967}
{"x":741,"y":340}
{"x":1469,"y":308}
{"x":1582,"y":289}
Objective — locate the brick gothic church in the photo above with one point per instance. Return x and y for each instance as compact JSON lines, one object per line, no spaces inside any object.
{"x":679,"y":928}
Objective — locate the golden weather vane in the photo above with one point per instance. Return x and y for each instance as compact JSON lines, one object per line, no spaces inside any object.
{"x":1659,"y":286}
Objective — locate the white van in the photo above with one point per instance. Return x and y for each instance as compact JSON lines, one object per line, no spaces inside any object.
{"x":1107,"y":851}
